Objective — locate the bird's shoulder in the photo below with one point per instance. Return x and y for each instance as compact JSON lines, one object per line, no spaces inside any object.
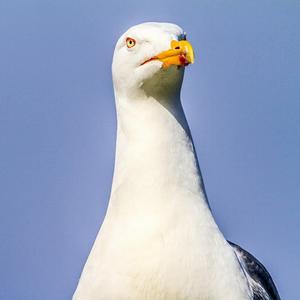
{"x":260,"y":281}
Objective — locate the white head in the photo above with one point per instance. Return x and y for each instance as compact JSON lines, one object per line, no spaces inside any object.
{"x":150,"y":58}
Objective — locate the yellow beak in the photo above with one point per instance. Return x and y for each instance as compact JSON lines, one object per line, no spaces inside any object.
{"x":180,"y":54}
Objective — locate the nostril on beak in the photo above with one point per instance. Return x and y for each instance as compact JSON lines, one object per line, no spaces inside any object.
{"x":177,"y":48}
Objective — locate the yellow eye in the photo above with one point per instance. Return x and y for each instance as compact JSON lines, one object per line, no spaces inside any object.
{"x":130,"y":42}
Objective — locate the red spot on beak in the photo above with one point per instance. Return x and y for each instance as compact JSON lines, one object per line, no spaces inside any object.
{"x":183,"y":60}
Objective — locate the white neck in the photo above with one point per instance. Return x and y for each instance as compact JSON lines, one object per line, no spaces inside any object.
{"x":155,"y":157}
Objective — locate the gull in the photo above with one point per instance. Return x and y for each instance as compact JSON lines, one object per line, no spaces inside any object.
{"x":159,"y":239}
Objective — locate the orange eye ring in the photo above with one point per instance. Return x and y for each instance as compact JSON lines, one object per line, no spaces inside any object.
{"x":130,"y":42}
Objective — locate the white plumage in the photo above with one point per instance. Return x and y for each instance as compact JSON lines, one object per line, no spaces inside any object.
{"x":159,"y":239}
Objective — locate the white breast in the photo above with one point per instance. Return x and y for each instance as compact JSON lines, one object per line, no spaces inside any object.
{"x":159,"y":239}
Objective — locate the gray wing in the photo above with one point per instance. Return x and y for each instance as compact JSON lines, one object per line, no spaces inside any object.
{"x":258,"y":277}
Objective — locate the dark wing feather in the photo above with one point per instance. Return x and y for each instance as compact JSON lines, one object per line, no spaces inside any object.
{"x":260,"y":280}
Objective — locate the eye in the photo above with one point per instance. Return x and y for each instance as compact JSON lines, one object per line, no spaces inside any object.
{"x":130,"y":42}
{"x":182,"y":36}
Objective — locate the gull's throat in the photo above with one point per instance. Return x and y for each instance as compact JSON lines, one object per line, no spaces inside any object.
{"x":155,"y":156}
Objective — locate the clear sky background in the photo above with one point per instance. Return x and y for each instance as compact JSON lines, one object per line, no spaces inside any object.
{"x":57,"y":130}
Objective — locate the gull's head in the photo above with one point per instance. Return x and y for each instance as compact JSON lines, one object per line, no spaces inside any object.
{"x":151,"y":58}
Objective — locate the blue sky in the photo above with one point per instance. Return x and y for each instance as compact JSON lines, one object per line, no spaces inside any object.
{"x":57,"y":130}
